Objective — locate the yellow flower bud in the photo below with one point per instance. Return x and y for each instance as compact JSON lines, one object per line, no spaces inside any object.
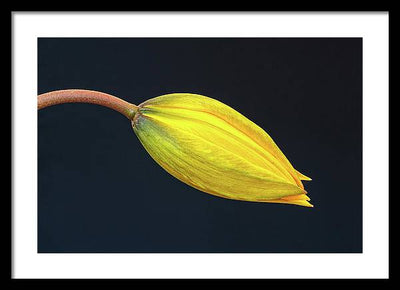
{"x":213,"y":148}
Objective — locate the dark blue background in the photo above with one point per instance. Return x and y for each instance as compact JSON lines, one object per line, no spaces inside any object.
{"x":100,"y":191}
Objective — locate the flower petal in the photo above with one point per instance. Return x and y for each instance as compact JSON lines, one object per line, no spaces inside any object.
{"x":212,"y":147}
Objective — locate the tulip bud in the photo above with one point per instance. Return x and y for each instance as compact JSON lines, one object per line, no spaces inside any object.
{"x":213,"y":148}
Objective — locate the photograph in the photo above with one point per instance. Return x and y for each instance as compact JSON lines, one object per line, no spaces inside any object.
{"x":232,"y":145}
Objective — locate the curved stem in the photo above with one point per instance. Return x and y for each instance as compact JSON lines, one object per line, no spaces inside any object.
{"x":87,"y":96}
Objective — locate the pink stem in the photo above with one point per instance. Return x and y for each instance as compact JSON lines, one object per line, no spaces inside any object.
{"x":87,"y":96}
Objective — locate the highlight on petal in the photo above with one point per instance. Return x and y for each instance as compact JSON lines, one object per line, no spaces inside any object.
{"x":213,"y":148}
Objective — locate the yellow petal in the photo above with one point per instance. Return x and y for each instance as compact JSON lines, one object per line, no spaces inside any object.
{"x":212,"y":147}
{"x":300,"y":201}
{"x":302,"y":176}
